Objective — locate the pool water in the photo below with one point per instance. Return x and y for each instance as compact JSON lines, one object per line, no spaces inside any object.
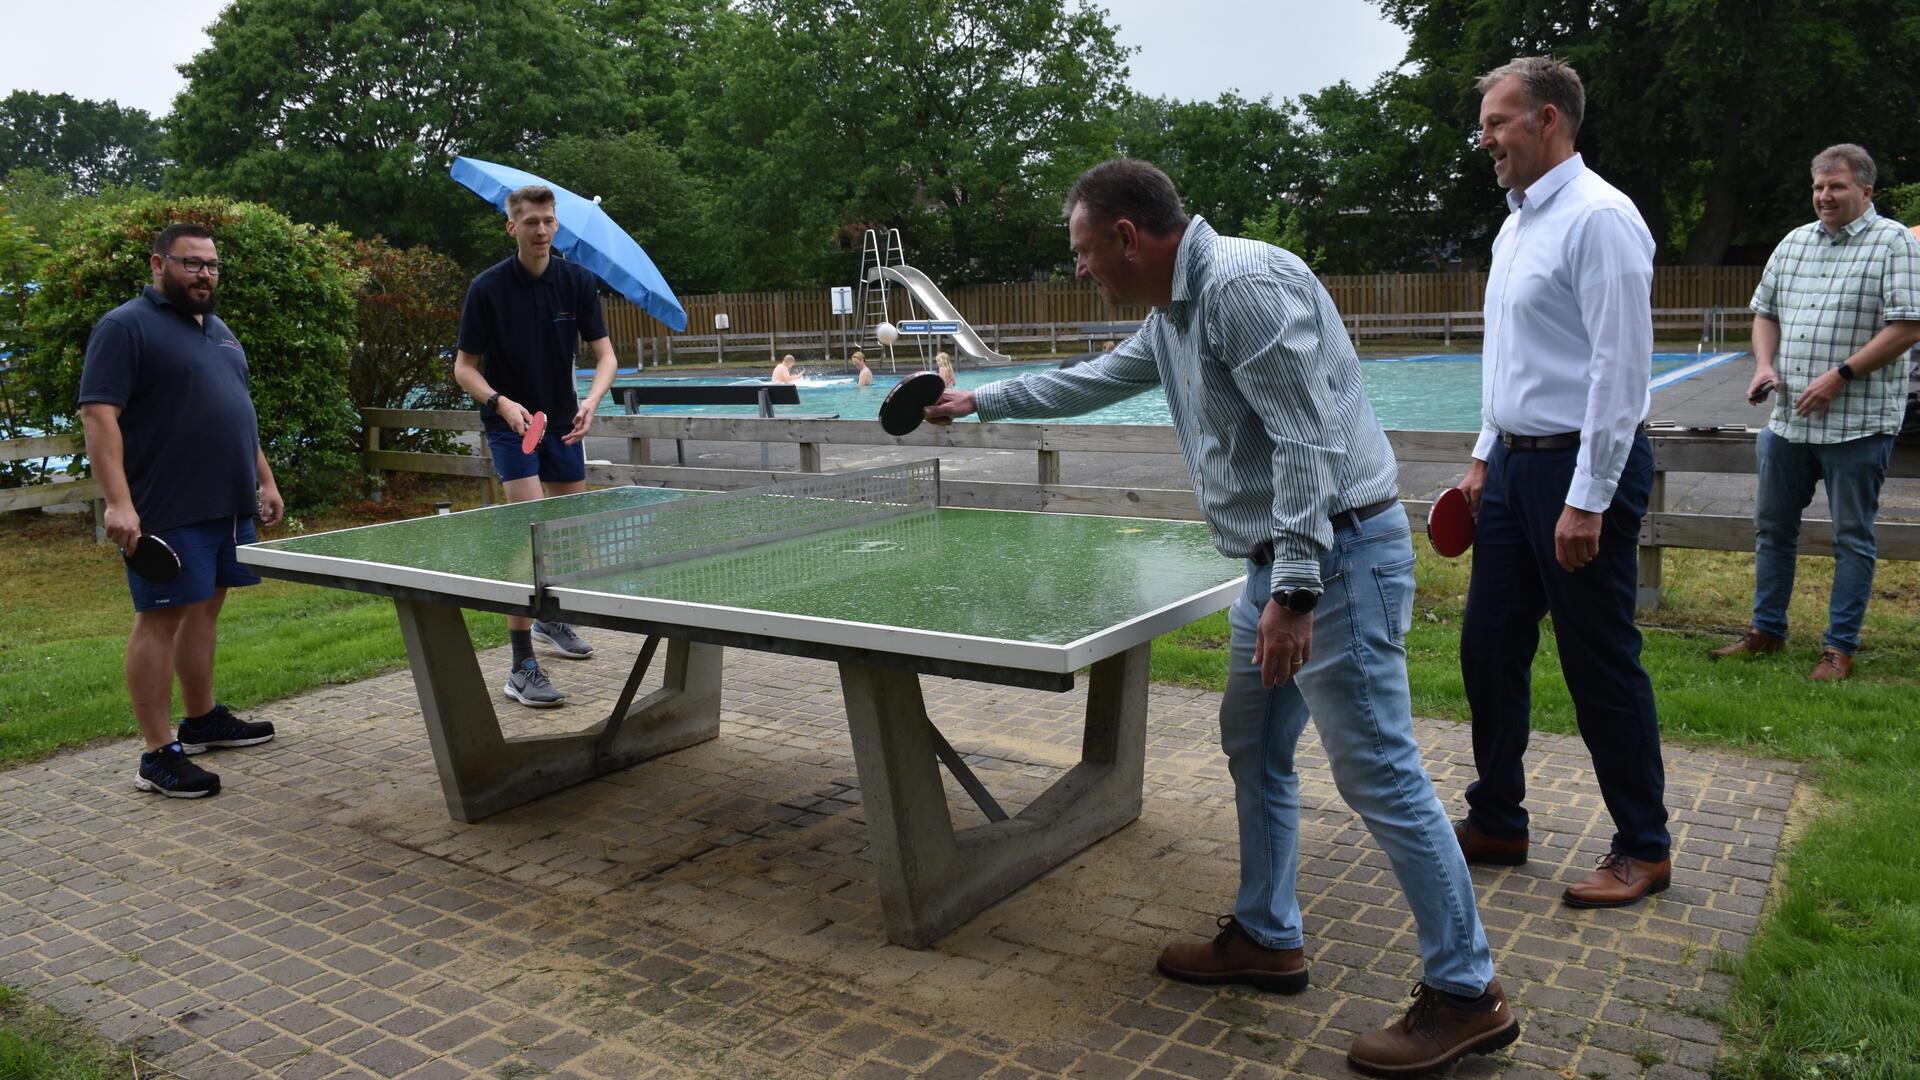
{"x":1419,"y":393}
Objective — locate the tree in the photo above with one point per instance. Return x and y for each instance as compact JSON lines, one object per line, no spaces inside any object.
{"x":1234,"y":161}
{"x":93,"y":144}
{"x":20,"y":259}
{"x":643,"y":187}
{"x":1704,"y":112}
{"x":959,"y":121}
{"x":351,"y":111}
{"x":288,"y":296}
{"x":655,"y":45}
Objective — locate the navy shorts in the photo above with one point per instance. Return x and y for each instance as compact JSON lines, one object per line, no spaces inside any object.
{"x":552,"y":460}
{"x":207,"y":562}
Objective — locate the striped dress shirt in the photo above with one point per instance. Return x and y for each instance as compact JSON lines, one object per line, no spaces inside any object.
{"x":1265,"y":392}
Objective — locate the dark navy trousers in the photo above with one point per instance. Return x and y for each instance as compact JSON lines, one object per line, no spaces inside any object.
{"x":1516,"y":581}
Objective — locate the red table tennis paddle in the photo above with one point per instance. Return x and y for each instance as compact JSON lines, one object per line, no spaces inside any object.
{"x":536,"y":427}
{"x":906,"y":404}
{"x":152,"y":559}
{"x":1450,"y":523}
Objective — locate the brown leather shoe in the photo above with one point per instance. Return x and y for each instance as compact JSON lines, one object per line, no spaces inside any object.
{"x":1619,"y":881}
{"x":1435,"y":1032}
{"x":1233,"y":957}
{"x":1753,"y":642}
{"x":1478,"y":847}
{"x":1834,"y":665}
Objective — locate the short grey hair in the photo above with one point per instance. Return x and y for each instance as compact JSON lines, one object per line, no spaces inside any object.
{"x":1547,"y":81}
{"x":1854,"y":158}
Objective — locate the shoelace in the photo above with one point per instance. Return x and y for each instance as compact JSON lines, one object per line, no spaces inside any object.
{"x":1615,"y":863}
{"x":1229,"y":926}
{"x":536,"y":675}
{"x":1419,"y":1018}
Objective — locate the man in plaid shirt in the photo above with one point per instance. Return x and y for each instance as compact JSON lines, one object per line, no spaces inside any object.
{"x":1836,"y":311}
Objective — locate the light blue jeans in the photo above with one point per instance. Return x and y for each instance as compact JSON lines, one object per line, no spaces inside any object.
{"x":1853,"y":472}
{"x":1355,"y":687}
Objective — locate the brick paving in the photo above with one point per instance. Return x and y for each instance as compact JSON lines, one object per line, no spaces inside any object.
{"x":710,"y":913}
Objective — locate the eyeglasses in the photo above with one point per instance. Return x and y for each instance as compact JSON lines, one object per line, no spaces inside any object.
{"x":197,"y":266}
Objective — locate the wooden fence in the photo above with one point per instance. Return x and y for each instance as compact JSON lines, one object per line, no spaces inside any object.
{"x":1679,"y":451}
{"x":808,"y":311}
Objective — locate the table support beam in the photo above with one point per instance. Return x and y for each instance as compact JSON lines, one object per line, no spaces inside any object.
{"x":932,"y":878}
{"x":482,"y":772}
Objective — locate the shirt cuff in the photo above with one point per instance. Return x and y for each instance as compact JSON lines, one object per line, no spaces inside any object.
{"x":1759,"y":308}
{"x":1590,"y":493}
{"x":1483,"y":446}
{"x":1295,"y":574}
{"x":1900,"y":315}
{"x":989,"y":402}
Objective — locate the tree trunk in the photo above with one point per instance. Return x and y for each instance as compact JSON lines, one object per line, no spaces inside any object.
{"x":1721,"y":217}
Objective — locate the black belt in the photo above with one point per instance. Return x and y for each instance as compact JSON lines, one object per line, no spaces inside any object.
{"x":1345,"y":519}
{"x":1540,"y":442}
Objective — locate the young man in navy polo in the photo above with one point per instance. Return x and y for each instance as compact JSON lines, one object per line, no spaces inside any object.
{"x":175,"y":445}
{"x":519,"y":333}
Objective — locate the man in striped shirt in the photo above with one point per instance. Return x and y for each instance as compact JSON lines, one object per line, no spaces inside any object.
{"x":1837,"y":309}
{"x":1295,"y":475}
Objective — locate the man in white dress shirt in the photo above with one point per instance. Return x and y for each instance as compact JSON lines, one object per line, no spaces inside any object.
{"x":1559,"y":482}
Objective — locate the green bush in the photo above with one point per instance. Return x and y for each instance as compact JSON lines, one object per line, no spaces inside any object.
{"x":408,"y":307}
{"x":20,"y":259}
{"x":288,"y":295}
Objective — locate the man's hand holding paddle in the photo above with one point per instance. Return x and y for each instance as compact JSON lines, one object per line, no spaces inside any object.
{"x":953,"y":404}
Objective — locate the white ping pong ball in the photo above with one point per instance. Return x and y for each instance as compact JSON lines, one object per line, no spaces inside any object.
{"x":887,"y":333}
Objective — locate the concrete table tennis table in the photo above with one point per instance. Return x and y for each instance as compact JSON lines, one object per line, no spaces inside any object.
{"x":1010,"y":597}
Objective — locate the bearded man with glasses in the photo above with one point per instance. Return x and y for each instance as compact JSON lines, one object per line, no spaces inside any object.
{"x":175,"y":444}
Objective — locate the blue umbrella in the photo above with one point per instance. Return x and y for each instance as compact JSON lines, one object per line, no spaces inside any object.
{"x":585,"y":235}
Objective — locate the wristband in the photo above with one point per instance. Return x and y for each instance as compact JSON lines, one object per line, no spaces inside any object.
{"x":491,"y":402}
{"x":1846,"y":373}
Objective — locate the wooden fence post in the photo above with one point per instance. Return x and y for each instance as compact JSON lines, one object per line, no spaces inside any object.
{"x":1647,"y":598}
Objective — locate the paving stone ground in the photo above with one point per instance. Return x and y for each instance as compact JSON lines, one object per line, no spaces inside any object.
{"x":710,"y":913}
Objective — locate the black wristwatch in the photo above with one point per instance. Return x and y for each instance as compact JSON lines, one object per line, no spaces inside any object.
{"x":491,"y":402}
{"x":1846,"y":373}
{"x":1298,"y":601}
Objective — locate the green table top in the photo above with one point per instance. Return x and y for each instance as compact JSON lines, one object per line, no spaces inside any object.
{"x":948,"y":579}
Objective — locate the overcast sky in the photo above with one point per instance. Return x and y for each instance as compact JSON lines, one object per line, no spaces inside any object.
{"x":1189,"y":49}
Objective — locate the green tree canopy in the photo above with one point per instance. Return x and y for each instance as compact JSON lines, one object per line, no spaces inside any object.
{"x":959,"y":121}
{"x":351,"y":111}
{"x":92,"y":144}
{"x":643,"y":186}
{"x":288,"y":293}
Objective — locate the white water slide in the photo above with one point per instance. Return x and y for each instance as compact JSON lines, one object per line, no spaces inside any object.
{"x":939,"y":309}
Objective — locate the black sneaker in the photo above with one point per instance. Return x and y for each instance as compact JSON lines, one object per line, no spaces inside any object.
{"x":168,"y":772}
{"x":219,"y":729}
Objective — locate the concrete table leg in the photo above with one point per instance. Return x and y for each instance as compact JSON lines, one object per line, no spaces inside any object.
{"x":931,"y":878}
{"x":482,"y":772}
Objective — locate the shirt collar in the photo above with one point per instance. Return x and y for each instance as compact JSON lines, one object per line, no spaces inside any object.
{"x":1191,"y":260}
{"x":521,"y":275}
{"x":1548,"y":185}
{"x":159,"y":299}
{"x":1851,"y":228}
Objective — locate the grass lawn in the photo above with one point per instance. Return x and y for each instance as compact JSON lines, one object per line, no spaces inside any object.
{"x":37,"y":1043}
{"x":1830,"y":986}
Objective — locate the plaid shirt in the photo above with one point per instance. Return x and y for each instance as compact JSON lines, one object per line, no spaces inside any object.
{"x":1831,"y":294}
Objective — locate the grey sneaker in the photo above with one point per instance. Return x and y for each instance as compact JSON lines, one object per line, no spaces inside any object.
{"x":564,"y":641}
{"x":529,"y":686}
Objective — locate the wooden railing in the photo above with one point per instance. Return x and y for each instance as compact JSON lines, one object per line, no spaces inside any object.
{"x":1056,"y":338}
{"x":48,"y":494}
{"x":1675,"y":451}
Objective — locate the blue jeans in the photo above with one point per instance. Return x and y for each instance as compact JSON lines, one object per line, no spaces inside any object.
{"x":1853,"y":472}
{"x":1355,"y":687}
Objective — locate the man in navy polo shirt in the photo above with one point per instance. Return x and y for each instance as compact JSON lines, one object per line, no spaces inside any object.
{"x":519,"y":332}
{"x":175,"y":445}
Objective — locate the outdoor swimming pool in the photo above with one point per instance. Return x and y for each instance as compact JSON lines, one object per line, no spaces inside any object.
{"x":1427,"y":393}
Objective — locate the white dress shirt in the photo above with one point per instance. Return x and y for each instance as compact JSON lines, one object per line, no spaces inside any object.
{"x":1569,"y":315}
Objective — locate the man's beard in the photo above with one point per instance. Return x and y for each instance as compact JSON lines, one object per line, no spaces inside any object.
{"x":179,"y":295}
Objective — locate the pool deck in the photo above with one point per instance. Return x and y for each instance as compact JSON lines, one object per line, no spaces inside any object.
{"x":1715,"y":397}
